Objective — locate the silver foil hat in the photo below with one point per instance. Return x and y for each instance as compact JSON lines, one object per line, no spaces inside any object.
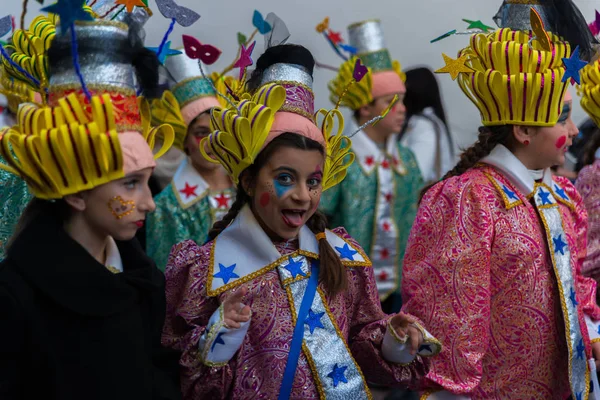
{"x":189,"y":82}
{"x":514,"y":14}
{"x":298,"y":82}
{"x":368,"y":39}
{"x":101,"y":70}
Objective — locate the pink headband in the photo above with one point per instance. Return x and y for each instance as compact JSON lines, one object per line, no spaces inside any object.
{"x":294,"y":123}
{"x":137,"y":155}
{"x":191,"y":110}
{"x":386,"y":83}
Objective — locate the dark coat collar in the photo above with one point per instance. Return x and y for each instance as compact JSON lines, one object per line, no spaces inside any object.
{"x":51,"y":261}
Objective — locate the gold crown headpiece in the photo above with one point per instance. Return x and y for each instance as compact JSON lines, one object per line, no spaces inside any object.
{"x":590,"y":90}
{"x":72,"y":147}
{"x":240,"y":133}
{"x":16,"y":91}
{"x":511,"y":78}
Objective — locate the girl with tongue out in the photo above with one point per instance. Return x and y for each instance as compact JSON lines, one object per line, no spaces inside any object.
{"x":275,"y":305}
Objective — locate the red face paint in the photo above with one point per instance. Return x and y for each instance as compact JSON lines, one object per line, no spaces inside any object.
{"x":198,"y":139}
{"x":561,"y":142}
{"x":264,"y":199}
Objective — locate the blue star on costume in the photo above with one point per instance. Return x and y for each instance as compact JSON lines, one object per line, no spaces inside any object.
{"x":559,"y":245}
{"x":599,"y":330}
{"x":337,"y":374}
{"x":226,"y":273}
{"x":544,"y":197}
{"x":295,"y":268}
{"x":165,"y":52}
{"x":509,"y":193}
{"x":346,"y":252}
{"x":580,"y":349}
{"x":561,"y":193}
{"x":573,"y":298}
{"x":573,"y":65}
{"x":314,"y":320}
{"x":579,"y":396}
{"x":69,"y":11}
{"x":218,"y":340}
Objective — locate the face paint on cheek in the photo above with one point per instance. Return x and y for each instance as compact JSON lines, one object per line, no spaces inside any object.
{"x":120,"y":208}
{"x":264,"y":199}
{"x":280,"y":189}
{"x":560,"y":142}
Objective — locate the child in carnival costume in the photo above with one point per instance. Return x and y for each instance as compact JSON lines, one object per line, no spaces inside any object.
{"x":275,"y":305}
{"x":493,"y":262}
{"x":377,"y":201}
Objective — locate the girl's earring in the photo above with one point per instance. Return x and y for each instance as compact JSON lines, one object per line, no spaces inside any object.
{"x":526,"y":143}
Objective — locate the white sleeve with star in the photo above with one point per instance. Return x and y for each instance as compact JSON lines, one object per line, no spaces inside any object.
{"x":396,"y":349}
{"x":593,"y":329}
{"x":219,"y":344}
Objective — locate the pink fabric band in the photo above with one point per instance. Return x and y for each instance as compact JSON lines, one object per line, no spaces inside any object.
{"x":137,"y":155}
{"x":191,"y":110}
{"x":294,"y":123}
{"x":386,"y":83}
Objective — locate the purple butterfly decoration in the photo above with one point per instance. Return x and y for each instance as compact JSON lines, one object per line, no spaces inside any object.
{"x":195,"y":50}
{"x":359,"y":70}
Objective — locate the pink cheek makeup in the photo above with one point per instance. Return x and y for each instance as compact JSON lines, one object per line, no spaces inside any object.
{"x":264,"y":199}
{"x":560,"y":142}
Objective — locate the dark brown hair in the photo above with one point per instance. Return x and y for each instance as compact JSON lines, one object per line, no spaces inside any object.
{"x":589,"y":151}
{"x":489,"y":137}
{"x":333,"y":273}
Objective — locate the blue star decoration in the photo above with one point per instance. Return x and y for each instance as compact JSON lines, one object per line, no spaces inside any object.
{"x":165,"y":52}
{"x":561,"y":193}
{"x":337,"y":374}
{"x":295,"y":268}
{"x":314,"y":320}
{"x":573,"y":65}
{"x":573,"y":298}
{"x":346,"y":252}
{"x":559,"y":245}
{"x":598,"y":329}
{"x":69,"y":11}
{"x":580,"y":350}
{"x":218,"y":340}
{"x":544,"y":197}
{"x":226,"y":273}
{"x":579,"y":396}
{"x":509,"y":193}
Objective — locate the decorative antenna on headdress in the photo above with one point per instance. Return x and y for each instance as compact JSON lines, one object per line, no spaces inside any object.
{"x":473,"y":28}
{"x":207,"y":54}
{"x":182,"y":15}
{"x":335,"y":40}
{"x":246,"y":45}
{"x":595,"y":24}
{"x":70,"y":11}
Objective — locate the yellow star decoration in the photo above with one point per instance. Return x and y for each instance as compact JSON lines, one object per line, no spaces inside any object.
{"x":454,"y":67}
{"x":130,"y":4}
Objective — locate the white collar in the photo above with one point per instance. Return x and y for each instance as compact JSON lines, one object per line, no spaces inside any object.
{"x":244,"y":246}
{"x":113,"y":257}
{"x":369,"y":155}
{"x":517,"y":173}
{"x":188,"y":185}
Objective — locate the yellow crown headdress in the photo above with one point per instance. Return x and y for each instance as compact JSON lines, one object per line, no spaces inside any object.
{"x":66,"y":149}
{"x":367,"y":43}
{"x":16,"y":91}
{"x":590,"y":90}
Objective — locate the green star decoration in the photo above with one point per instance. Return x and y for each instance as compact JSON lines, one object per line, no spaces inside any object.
{"x":478,"y":25}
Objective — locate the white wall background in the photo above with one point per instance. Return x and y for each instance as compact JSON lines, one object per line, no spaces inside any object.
{"x":408,"y":25}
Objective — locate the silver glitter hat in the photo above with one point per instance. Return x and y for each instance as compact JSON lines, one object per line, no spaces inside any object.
{"x":298,"y":84}
{"x":514,"y":14}
{"x":190,"y":84}
{"x":368,"y":39}
{"x":101,"y":70}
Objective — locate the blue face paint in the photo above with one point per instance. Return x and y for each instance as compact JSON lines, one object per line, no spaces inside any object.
{"x":280,"y":188}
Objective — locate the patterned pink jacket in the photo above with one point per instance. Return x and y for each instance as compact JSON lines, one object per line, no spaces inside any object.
{"x":588,"y":185}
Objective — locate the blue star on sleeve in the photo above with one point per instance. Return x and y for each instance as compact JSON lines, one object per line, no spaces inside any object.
{"x":337,"y":374}
{"x":226,"y":273}
{"x":573,"y":298}
{"x":559,"y":245}
{"x":580,"y":350}
{"x":295,"y":268}
{"x":561,"y":193}
{"x":314,"y":320}
{"x":346,"y":252}
{"x":509,"y":193}
{"x":218,"y":340}
{"x":544,"y":197}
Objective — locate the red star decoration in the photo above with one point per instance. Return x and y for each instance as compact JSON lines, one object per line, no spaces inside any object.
{"x":383,"y":276}
{"x":385,"y":164}
{"x":369,"y":161}
{"x":189,"y":190}
{"x":335,"y":37}
{"x":384,"y":254}
{"x":389,"y":197}
{"x":222,"y":200}
{"x":386,"y":226}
